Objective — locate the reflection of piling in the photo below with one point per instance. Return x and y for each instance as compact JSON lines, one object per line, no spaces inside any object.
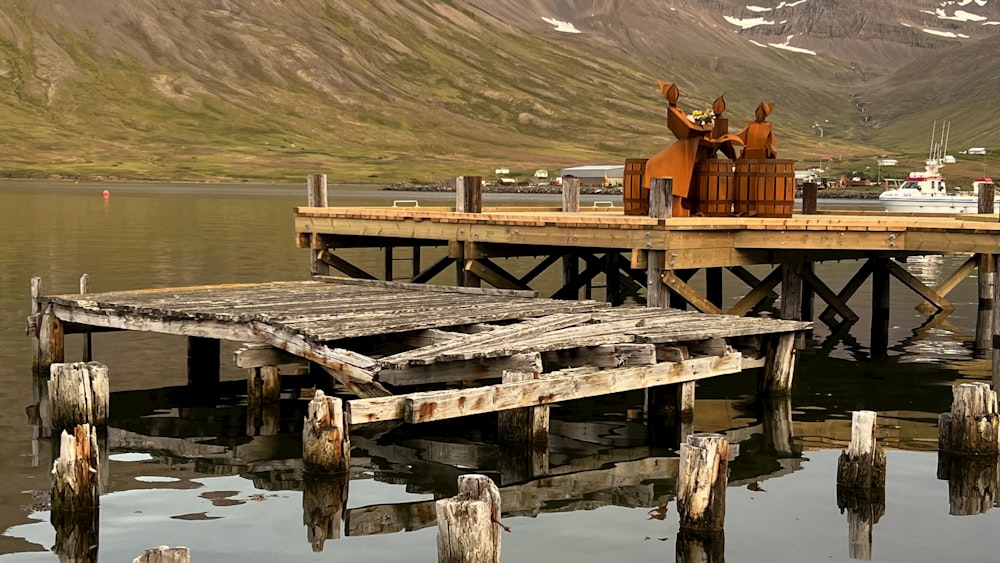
{"x":700,"y":547}
{"x":776,"y":416}
{"x":701,"y":483}
{"x":324,"y":503}
{"x":326,"y":447}
{"x":861,"y":484}
{"x":972,"y":482}
{"x":263,"y":396}
{"x":984,"y":319}
{"x":164,"y":554}
{"x":973,"y":425}
{"x":469,"y":522}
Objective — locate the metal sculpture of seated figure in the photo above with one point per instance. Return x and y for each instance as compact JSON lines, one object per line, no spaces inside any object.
{"x":694,"y":141}
{"x":758,"y":136}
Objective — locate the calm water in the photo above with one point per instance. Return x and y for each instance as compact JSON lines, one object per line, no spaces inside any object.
{"x":782,"y":505}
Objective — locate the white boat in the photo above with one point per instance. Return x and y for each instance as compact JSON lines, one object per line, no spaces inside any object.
{"x":926,"y":191}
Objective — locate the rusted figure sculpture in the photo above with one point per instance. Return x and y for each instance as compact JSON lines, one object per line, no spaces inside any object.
{"x":753,"y":184}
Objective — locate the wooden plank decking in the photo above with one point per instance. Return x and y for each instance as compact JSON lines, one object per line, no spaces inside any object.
{"x":453,"y":334}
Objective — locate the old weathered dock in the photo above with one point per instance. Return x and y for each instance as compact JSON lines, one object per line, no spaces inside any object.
{"x":655,"y":257}
{"x":376,"y":338}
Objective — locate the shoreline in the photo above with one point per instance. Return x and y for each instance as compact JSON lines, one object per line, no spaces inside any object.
{"x":827,"y":193}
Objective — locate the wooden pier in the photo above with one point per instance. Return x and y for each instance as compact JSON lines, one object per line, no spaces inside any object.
{"x":654,"y":258}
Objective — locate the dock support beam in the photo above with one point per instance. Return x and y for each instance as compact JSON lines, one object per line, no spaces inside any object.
{"x":779,"y":365}
{"x":880,"y":308}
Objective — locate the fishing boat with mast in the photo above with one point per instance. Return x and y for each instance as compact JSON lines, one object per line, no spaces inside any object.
{"x":926,"y":191}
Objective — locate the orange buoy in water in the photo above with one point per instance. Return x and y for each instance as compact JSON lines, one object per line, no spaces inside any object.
{"x":106,"y":194}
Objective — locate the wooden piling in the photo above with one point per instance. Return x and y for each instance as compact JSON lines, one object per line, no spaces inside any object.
{"x":986,"y":278}
{"x":779,"y":365}
{"x":986,"y":191}
{"x":862,"y":465}
{"x":87,"y":341}
{"x":263,"y":395}
{"x":469,"y":194}
{"x":810,"y":193}
{"x":316,"y":194}
{"x":973,"y":425}
{"x":33,"y":328}
{"x":164,"y":554}
{"x":469,"y":522}
{"x":701,"y":482}
{"x":324,"y":505}
{"x":525,"y":433}
{"x":75,"y":486}
{"x":50,"y":347}
{"x":571,"y":194}
{"x":79,"y":393}
{"x":996,"y":323}
{"x":326,"y":446}
{"x":880,"y":308}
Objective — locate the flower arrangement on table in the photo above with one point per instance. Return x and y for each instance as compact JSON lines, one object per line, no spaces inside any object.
{"x":703,"y":117}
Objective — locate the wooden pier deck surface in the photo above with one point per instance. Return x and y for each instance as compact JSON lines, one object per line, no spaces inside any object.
{"x":371,"y":334}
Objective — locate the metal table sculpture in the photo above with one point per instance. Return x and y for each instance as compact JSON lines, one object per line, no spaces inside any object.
{"x":752,"y":184}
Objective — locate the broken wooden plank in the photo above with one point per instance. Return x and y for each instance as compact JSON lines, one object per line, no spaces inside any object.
{"x":468,"y":370}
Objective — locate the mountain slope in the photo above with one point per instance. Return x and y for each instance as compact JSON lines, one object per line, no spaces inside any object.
{"x":397,"y":91}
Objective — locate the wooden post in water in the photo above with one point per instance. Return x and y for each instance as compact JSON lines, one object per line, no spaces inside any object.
{"x":203,"y":362}
{"x":87,"y":342}
{"x":570,"y":204}
{"x":880,"y":308}
{"x":810,"y":193}
{"x":164,"y":554}
{"x":862,"y":465}
{"x":469,"y":522}
{"x":986,"y":194}
{"x":701,"y":482}
{"x":986,"y":278}
{"x":660,"y":207}
{"x":263,"y":395}
{"x":33,"y":328}
{"x":51,"y":348}
{"x":317,"y":197}
{"x":571,"y":194}
{"x":524,"y":433}
{"x":326,"y":446}
{"x":75,"y":485}
{"x":324,"y":504}
{"x":791,"y":296}
{"x":973,"y":425}
{"x":79,"y":394}
{"x":779,"y":364}
{"x":468,"y":199}
{"x":807,"y":312}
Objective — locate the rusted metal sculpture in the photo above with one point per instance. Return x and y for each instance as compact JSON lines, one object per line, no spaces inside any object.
{"x":703,"y":183}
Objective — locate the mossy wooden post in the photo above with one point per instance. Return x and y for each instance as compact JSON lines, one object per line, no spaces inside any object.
{"x":862,"y":465}
{"x":317,"y":197}
{"x":87,"y":341}
{"x":973,"y":425}
{"x":779,"y":364}
{"x":571,"y":204}
{"x":469,"y":522}
{"x":326,"y":447}
{"x":701,"y":482}
{"x":164,"y":554}
{"x":324,"y":504}
{"x":79,"y":393}
{"x":984,"y":318}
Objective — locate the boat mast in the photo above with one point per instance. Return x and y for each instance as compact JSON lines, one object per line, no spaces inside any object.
{"x":930,"y":153}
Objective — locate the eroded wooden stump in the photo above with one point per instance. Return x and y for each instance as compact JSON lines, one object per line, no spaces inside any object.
{"x":164,"y":554}
{"x":469,"y":522}
{"x":701,"y":484}
{"x":79,"y":393}
{"x":75,"y":486}
{"x":973,"y":425}
{"x":862,"y":465}
{"x":326,"y":447}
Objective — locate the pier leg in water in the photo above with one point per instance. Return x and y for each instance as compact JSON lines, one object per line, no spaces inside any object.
{"x":203,"y":363}
{"x":880,"y":309}
{"x":524,"y":433}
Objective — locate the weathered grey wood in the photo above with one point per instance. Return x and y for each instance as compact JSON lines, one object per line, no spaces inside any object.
{"x":324,"y":504}
{"x":791,"y":292}
{"x":810,"y":192}
{"x":51,"y":349}
{"x":661,"y":197}
{"x":317,"y":197}
{"x":469,"y":194}
{"x":79,"y":393}
{"x":757,"y":294}
{"x":461,"y":370}
{"x":656,"y":292}
{"x":326,"y":259}
{"x":687,"y":396}
{"x":701,"y":483}
{"x":316,"y":190}
{"x":973,"y":425}
{"x":86,"y":355}
{"x":560,"y":386}
{"x":527,"y":426}
{"x":604,"y":356}
{"x":490,"y":272}
{"x":33,"y":322}
{"x":570,"y":194}
{"x":986,"y":191}
{"x":863,"y":464}
{"x":255,"y":355}
{"x":425,"y":288}
{"x":751,"y":280}
{"x":690,"y":294}
{"x":779,"y":368}
{"x":75,"y":485}
{"x":326,"y":446}
{"x":164,"y":554}
{"x":469,"y":523}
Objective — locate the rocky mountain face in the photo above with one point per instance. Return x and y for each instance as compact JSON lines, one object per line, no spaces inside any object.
{"x":387,"y":90}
